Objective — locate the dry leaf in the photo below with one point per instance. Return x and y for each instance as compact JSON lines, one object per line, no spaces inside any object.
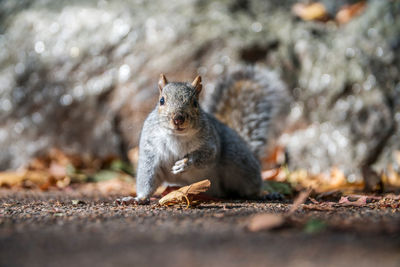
{"x":324,"y":182}
{"x":277,"y":174}
{"x":275,"y":156}
{"x":17,"y":178}
{"x":57,"y":170}
{"x":11,"y":178}
{"x":348,"y":12}
{"x":391,"y":201}
{"x":64,"y":182}
{"x":358,"y":200}
{"x":314,"y":11}
{"x":184,"y":194}
{"x":392,"y":196}
{"x":168,"y":190}
{"x":269,"y":174}
{"x":345,"y":201}
{"x":266,"y":221}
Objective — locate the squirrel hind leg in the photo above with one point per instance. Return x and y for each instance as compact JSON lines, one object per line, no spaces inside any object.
{"x":241,"y":184}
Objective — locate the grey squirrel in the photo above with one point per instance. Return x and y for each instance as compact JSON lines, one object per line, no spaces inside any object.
{"x":182,"y":143}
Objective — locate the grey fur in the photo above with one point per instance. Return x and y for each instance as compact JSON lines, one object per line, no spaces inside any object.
{"x":207,"y":148}
{"x":258,"y":115}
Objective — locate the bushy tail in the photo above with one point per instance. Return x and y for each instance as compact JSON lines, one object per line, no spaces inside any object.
{"x":253,"y":101}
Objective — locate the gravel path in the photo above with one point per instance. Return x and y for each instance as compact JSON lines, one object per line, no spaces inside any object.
{"x":52,"y":229}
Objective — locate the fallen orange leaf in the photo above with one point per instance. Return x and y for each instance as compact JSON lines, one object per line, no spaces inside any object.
{"x":270,"y":174}
{"x":348,"y":12}
{"x":184,"y":194}
{"x":11,"y":178}
{"x":314,"y":11}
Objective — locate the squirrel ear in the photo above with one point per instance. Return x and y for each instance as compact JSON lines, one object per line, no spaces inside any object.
{"x":162,"y":82}
{"x":197,"y":84}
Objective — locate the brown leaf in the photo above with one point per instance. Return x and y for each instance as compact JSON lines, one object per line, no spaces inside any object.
{"x":275,"y":156}
{"x":265,"y":221}
{"x":313,"y":11}
{"x":168,"y":190}
{"x":390,"y":200}
{"x":345,"y":201}
{"x":269,"y":174}
{"x":11,"y":178}
{"x":184,"y":194}
{"x":38,"y":164}
{"x":57,"y":170}
{"x":64,"y":182}
{"x":323,"y":182}
{"x":25,"y":178}
{"x":348,"y":12}
{"x":392,"y":196}
{"x":196,"y":188}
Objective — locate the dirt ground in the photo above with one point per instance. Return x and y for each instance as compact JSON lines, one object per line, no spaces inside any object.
{"x":55,"y":229}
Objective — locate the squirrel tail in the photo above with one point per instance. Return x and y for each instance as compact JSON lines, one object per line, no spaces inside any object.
{"x":254,"y":102}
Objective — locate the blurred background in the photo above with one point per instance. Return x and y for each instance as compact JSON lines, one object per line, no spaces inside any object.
{"x":79,"y":77}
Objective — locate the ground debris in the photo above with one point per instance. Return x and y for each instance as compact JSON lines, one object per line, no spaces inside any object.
{"x":332,"y":184}
{"x":186,"y":194}
{"x":313,"y":11}
{"x":318,"y":11}
{"x":311,"y":224}
{"x":59,"y":170}
{"x":359,"y":202}
{"x":269,"y":221}
{"x":77,"y":202}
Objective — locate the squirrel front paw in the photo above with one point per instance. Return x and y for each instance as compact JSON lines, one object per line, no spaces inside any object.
{"x":132,"y":200}
{"x":180,"y":166}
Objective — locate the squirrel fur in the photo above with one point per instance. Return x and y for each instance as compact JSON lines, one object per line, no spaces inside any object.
{"x":182,"y":143}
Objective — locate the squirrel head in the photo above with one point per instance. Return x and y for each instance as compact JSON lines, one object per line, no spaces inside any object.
{"x":178,"y":105}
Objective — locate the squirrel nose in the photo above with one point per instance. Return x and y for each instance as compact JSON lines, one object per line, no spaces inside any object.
{"x":179,"y":119}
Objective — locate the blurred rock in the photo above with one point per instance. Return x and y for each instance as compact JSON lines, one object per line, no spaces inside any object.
{"x":346,"y":90}
{"x":82,"y":76}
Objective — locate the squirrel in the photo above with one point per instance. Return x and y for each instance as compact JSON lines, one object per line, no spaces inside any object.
{"x":182,"y":142}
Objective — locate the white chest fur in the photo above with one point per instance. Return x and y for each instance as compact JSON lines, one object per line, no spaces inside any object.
{"x":172,"y":148}
{"x":175,"y":145}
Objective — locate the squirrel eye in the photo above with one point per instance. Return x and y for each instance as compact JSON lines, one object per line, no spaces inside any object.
{"x":195,"y":104}
{"x":162,"y":101}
